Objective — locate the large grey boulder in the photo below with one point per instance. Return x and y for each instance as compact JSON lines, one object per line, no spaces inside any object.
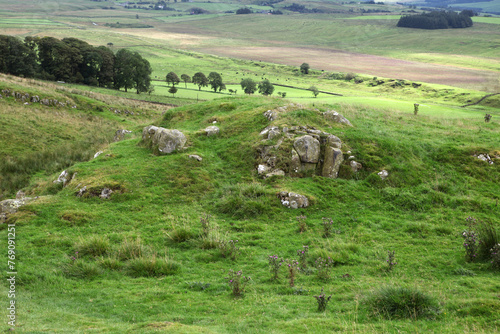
{"x":167,"y":141}
{"x":308,"y":149}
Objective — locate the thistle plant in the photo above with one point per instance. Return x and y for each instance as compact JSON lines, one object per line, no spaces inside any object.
{"x":275,"y":265}
{"x":471,"y":240}
{"x":324,"y":267}
{"x":322,"y":300}
{"x":205,"y":225}
{"x":328,"y":229}
{"x":293,"y":268}
{"x":302,"y":254}
{"x":391,"y":260}
{"x":237,"y":282}
{"x":229,"y":249}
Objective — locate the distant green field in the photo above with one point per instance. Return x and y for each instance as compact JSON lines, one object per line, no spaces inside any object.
{"x":486,"y":6}
{"x":28,"y":22}
{"x":492,"y":20}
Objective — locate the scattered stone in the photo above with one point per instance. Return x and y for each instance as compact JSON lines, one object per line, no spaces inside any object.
{"x":212,"y":130}
{"x":63,"y":177}
{"x":293,"y":200}
{"x":355,"y":166}
{"x":485,"y":158}
{"x":383,"y":174}
{"x":10,"y":206}
{"x":334,"y":116}
{"x":20,"y":194}
{"x":97,"y":154}
{"x":82,"y":191}
{"x":120,"y":134}
{"x":196,"y":157}
{"x":106,"y":193}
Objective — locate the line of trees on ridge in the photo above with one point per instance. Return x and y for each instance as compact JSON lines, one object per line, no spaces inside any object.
{"x":436,"y":20}
{"x":74,"y":61}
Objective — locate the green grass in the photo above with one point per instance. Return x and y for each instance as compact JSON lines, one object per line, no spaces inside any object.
{"x":418,"y":212}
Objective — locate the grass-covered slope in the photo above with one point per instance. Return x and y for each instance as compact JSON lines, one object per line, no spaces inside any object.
{"x":149,"y":258}
{"x":47,"y":127}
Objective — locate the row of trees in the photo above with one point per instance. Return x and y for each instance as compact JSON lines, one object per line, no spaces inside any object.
{"x":75,"y":61}
{"x":214,"y":79}
{"x":436,"y":20}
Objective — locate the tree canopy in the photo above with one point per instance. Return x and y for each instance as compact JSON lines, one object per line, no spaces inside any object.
{"x":172,"y":79}
{"x":248,"y":85}
{"x":266,"y":87}
{"x":436,"y":20}
{"x":304,"y":68}
{"x":200,"y":80}
{"x":215,"y":81}
{"x":73,"y":60}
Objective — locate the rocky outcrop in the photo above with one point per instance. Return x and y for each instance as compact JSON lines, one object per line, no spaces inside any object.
{"x":10,"y":206}
{"x":299,"y":151}
{"x":163,"y":141}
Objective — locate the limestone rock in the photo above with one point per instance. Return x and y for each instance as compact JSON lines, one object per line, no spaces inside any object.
{"x":120,"y":134}
{"x":106,"y":193}
{"x":212,"y":130}
{"x":308,"y":149}
{"x":334,"y":116}
{"x":293,"y":200}
{"x":383,"y":174}
{"x":195,"y":156}
{"x":63,"y":177}
{"x":10,"y":206}
{"x":355,"y":166}
{"x":334,"y":141}
{"x":97,"y":154}
{"x":163,"y":141}
{"x":333,"y":160}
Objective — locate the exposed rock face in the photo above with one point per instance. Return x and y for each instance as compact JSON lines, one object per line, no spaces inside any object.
{"x":10,"y":206}
{"x":307,"y":148}
{"x":63,"y":177}
{"x":163,"y":141}
{"x":300,"y":151}
{"x":212,"y":130}
{"x":332,"y":162}
{"x":106,"y":193}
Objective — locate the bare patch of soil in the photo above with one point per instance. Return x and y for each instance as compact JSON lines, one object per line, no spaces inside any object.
{"x":341,"y":61}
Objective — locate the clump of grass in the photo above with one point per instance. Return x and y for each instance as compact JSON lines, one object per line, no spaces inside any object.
{"x":110,"y":262}
{"x":495,"y":257}
{"x":324,"y":267}
{"x":391,"y":260}
{"x":151,"y":266}
{"x":95,"y":245}
{"x":244,"y":200}
{"x":464,"y":272}
{"x":471,"y":240}
{"x":302,"y":223}
{"x":130,"y":249}
{"x":79,"y":268}
{"x":180,"y":232}
{"x":198,"y":286}
{"x":401,"y":302}
{"x":212,"y":238}
{"x":488,"y":240}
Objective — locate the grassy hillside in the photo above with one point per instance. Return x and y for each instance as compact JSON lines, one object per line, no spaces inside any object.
{"x":149,"y":258}
{"x":38,"y":138}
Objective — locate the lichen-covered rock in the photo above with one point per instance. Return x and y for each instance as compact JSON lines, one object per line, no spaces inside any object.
{"x":10,"y":206}
{"x":333,"y":160}
{"x":383,"y":174}
{"x":167,"y":141}
{"x":355,"y":166}
{"x":293,"y":200}
{"x":120,"y":134}
{"x":334,"y":116}
{"x":106,"y":193}
{"x":148,"y":133}
{"x":308,"y":149}
{"x":212,"y":130}
{"x":63,"y":177}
